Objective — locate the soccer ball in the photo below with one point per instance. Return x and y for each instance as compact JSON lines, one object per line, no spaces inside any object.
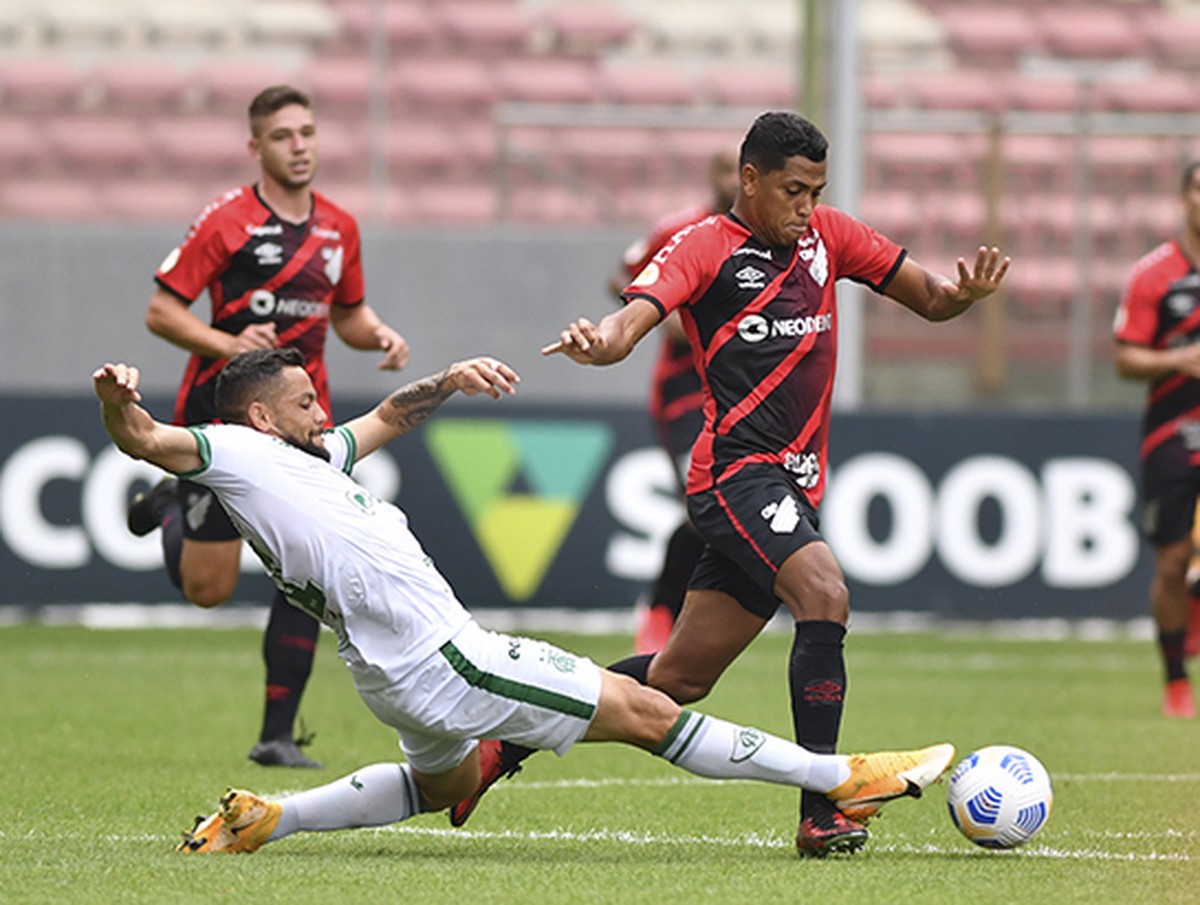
{"x":999,"y":796}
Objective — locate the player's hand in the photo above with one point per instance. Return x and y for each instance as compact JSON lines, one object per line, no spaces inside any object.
{"x":484,"y":375}
{"x":394,"y":346}
{"x":581,"y":342}
{"x":255,"y":336}
{"x":981,"y":280}
{"x":117,"y":384}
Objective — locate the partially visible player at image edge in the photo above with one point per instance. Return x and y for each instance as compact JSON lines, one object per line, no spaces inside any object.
{"x":1157,"y":334}
{"x":419,"y":661}
{"x":281,"y":263}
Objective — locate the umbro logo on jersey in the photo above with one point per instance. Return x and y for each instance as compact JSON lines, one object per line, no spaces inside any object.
{"x":269,"y":254}
{"x":1181,"y":304}
{"x":751,"y":278}
{"x":783,"y":517}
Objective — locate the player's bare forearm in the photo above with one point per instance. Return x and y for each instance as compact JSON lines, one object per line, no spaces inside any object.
{"x":938,"y":298}
{"x":415,"y":402}
{"x":359,"y":327}
{"x":611,"y":340}
{"x":132,"y":428}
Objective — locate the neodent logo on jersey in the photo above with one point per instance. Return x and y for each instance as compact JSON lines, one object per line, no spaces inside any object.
{"x":520,"y":485}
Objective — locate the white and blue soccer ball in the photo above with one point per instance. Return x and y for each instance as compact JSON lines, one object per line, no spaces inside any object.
{"x":999,"y":796}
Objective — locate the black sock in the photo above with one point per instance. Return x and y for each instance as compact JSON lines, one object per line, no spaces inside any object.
{"x":1171,"y":644}
{"x":289,"y":645}
{"x":637,"y":666}
{"x":817,"y":678}
{"x":683,"y":549}
{"x":171,"y":536}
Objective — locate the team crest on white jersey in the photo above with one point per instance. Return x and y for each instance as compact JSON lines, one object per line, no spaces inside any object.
{"x":333,"y":263}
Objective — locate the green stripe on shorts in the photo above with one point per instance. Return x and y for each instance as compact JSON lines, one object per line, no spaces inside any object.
{"x":517,"y":691}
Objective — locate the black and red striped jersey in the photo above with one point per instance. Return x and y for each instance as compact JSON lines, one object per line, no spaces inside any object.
{"x":762,"y":322}
{"x":259,"y":268}
{"x":1160,"y":309}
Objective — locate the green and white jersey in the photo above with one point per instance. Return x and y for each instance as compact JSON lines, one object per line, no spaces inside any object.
{"x":333,"y":547}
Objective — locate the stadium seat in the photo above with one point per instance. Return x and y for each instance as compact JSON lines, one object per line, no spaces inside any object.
{"x":561,"y":80}
{"x":1163,"y":92}
{"x":175,"y":201}
{"x":344,"y":150}
{"x":203,"y":145}
{"x":141,"y":86}
{"x":772,"y":86}
{"x":650,"y":83}
{"x":1047,"y":93}
{"x":990,"y":36}
{"x":408,"y":24}
{"x":959,"y":89}
{"x":228,"y":85}
{"x":288,"y":22}
{"x":420,"y":149}
{"x":49,"y":83}
{"x":50,"y":199}
{"x":586,"y":29}
{"x":98,"y":146}
{"x":1088,"y":31}
{"x":22,"y":144}
{"x":488,"y":28}
{"x":1173,"y":37}
{"x":340,"y":86}
{"x":443,"y":86}
{"x":457,"y":203}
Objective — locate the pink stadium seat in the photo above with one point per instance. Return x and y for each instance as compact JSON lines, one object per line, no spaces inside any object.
{"x":1164,"y":92}
{"x":647,"y":83}
{"x":1042,"y":93}
{"x":344,"y":153}
{"x":959,"y":90}
{"x":173,"y":201}
{"x":212,"y":146}
{"x":1089,"y":31}
{"x":366,"y":202}
{"x":989,"y":35}
{"x":552,"y":203}
{"x":22,"y":143}
{"x":483,"y":27}
{"x":751,"y":85}
{"x":39,"y":83}
{"x":586,"y":29}
{"x":892,"y":212}
{"x":614,"y":154}
{"x":547,"y":80}
{"x":419,"y":148}
{"x":340,"y":86}
{"x":458,"y":203}
{"x":443,"y":86}
{"x":229,"y":86}
{"x":1173,"y":37}
{"x":408,"y":24}
{"x":98,"y":145}
{"x":50,"y":199}
{"x":142,"y":86}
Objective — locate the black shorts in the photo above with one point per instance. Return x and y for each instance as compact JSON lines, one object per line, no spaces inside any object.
{"x":204,"y":518}
{"x":1170,"y":487}
{"x":751,"y":524}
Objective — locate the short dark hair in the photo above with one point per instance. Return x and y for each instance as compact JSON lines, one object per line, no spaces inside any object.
{"x":1189,"y":173}
{"x":272,"y":100}
{"x":243,"y":380}
{"x":776,"y":136}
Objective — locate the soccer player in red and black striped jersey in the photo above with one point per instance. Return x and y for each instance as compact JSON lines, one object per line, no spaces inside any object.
{"x":1157,"y":332}
{"x":281,"y":263}
{"x":755,"y":290}
{"x":676,"y":399}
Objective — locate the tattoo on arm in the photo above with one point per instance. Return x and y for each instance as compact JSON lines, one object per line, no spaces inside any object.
{"x":414,"y":402}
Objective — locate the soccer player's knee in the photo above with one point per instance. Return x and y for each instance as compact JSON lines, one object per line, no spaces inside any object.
{"x":207,"y":593}
{"x":681,"y":687}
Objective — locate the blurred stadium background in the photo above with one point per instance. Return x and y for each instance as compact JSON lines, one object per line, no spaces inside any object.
{"x":501,"y":153}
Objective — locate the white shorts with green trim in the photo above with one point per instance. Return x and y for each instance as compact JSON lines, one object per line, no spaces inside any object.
{"x":483,"y":684}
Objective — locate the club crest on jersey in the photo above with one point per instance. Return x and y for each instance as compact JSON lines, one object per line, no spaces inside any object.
{"x":363,"y":501}
{"x":782,"y":516}
{"x":648,"y":276}
{"x":333,"y":263}
{"x":812,"y":253}
{"x":269,"y":254}
{"x":806,"y":466}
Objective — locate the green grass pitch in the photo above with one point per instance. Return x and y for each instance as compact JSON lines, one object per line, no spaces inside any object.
{"x":111,"y":741}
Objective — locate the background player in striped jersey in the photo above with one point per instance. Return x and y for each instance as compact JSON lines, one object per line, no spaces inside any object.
{"x":676,"y":397}
{"x":418,"y":660}
{"x":1157,"y":330}
{"x":755,"y":289}
{"x":281,"y":263}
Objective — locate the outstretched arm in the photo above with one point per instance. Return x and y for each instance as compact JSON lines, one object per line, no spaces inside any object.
{"x":133,"y":430}
{"x":413,"y":403}
{"x":938,"y":298}
{"x":609,"y":341}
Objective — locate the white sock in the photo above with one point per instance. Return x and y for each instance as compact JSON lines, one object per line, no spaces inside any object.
{"x":370,"y":796}
{"x":712,"y":747}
